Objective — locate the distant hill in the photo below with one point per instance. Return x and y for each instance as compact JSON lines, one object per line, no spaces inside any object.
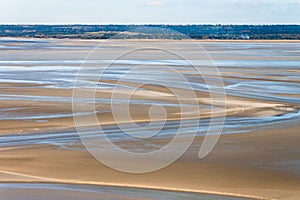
{"x":270,"y":32}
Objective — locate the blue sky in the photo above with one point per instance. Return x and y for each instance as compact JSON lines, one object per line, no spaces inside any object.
{"x":150,"y":11}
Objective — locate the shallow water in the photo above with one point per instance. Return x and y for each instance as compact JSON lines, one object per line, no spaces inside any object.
{"x":73,"y":192}
{"x":23,"y":79}
{"x":272,"y":77}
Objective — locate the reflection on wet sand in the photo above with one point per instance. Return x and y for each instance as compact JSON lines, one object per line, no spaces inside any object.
{"x":255,"y":155}
{"x":73,"y":192}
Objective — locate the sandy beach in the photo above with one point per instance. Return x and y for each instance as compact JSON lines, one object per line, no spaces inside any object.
{"x":256,"y":157}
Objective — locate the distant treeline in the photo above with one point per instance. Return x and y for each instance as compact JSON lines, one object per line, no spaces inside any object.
{"x":270,"y":32}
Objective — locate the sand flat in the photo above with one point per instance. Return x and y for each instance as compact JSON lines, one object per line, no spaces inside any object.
{"x":256,"y":157}
{"x":253,"y":170}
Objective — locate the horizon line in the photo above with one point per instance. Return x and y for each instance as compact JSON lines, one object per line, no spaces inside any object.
{"x":147,"y":24}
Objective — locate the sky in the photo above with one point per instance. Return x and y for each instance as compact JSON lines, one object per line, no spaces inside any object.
{"x":149,"y":12}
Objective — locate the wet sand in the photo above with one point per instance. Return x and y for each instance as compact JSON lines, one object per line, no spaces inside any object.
{"x":73,"y":192}
{"x":256,"y":157}
{"x":262,"y":165}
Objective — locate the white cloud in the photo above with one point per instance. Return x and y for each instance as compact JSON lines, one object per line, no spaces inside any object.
{"x":155,"y":3}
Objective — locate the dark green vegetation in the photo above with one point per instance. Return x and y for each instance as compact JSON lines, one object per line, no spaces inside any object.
{"x":272,"y":32}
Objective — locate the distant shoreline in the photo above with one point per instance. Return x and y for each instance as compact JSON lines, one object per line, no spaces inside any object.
{"x":157,"y":40}
{"x":175,"y":32}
